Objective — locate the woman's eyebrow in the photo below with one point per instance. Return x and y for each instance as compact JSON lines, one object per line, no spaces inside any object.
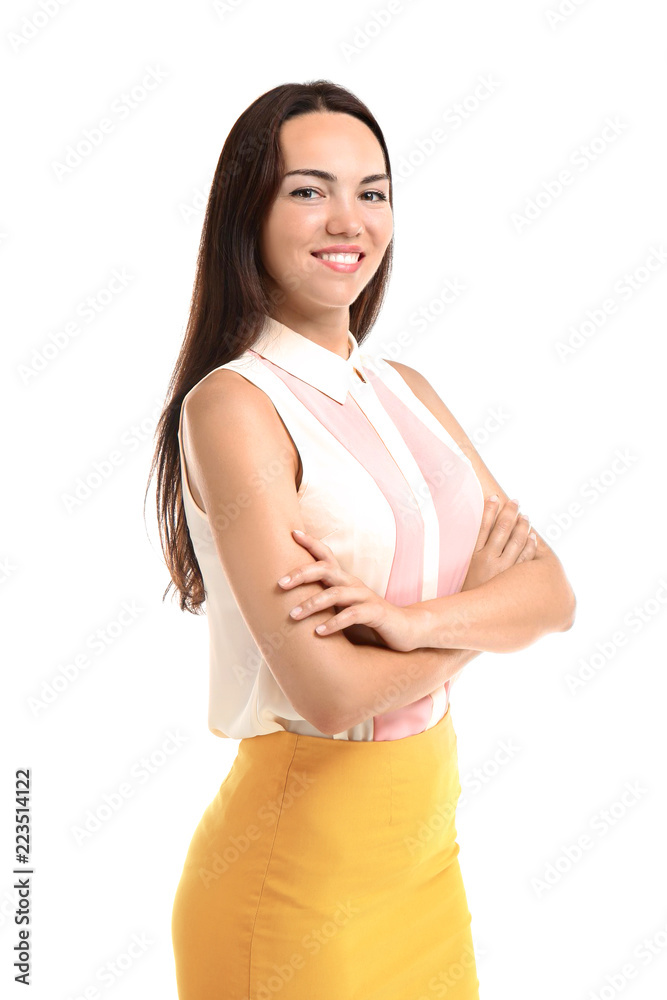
{"x":326,"y":176}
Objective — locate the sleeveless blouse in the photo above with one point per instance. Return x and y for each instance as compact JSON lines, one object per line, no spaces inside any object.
{"x":383,"y":484}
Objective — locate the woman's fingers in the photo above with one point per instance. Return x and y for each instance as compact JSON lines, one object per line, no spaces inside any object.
{"x":503,"y":527}
{"x":323,"y":571}
{"x":488,"y":517}
{"x":519,"y":546}
{"x":529,"y":550}
{"x":326,"y":569}
{"x":343,"y":597}
{"x":314,"y":545}
{"x":364,"y":613}
{"x":517,"y":537}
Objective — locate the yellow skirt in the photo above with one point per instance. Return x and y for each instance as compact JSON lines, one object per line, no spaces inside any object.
{"x":328,"y":870}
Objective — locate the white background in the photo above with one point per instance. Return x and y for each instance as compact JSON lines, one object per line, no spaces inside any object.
{"x":135,"y":205}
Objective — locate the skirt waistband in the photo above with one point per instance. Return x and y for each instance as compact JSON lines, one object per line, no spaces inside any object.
{"x":408,"y":746}
{"x":426,"y":759}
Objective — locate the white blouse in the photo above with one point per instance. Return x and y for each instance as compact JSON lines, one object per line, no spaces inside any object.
{"x":384,"y":485}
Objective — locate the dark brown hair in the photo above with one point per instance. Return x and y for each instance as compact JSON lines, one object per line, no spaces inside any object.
{"x":230,"y":295}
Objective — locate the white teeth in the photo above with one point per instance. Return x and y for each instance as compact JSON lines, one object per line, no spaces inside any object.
{"x":341,"y":258}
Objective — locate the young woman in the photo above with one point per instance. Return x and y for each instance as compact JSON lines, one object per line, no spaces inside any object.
{"x":327,"y":864}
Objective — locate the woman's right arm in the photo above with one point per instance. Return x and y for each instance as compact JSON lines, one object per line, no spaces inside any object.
{"x":241,"y":460}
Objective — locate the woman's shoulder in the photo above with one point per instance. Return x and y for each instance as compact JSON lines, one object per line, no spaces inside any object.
{"x":225,"y":413}
{"x":226,"y":382}
{"x":228,"y":388}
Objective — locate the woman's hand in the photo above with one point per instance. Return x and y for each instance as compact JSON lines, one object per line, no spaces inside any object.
{"x":365,"y":617}
{"x":503,"y":541}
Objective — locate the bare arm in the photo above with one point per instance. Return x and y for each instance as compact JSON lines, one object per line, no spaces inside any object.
{"x":455,"y":659}
{"x":503,"y":615}
{"x":242,"y":463}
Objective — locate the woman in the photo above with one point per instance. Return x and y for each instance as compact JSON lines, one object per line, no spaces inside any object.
{"x":327,"y":865}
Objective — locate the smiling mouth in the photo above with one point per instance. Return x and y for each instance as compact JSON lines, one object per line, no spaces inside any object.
{"x":340,"y":258}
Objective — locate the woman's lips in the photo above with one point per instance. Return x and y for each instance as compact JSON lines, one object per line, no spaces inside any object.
{"x":339,"y":266}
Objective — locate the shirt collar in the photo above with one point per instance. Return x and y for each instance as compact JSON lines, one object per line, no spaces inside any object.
{"x":308,"y":361}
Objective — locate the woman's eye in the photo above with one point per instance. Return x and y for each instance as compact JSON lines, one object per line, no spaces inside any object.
{"x":300,"y":191}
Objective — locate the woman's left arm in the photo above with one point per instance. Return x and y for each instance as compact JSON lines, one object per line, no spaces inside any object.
{"x":503,"y":615}
{"x":510,"y":611}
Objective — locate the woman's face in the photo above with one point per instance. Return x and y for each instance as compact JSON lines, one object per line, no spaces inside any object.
{"x":312,"y":212}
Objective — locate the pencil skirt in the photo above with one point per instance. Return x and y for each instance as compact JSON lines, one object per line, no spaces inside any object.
{"x":328,"y":869}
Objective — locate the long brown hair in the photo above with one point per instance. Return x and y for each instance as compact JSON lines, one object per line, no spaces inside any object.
{"x":230,"y":296}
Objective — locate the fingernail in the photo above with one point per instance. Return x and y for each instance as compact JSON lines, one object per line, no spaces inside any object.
{"x":320,"y":628}
{"x":298,"y":532}
{"x":283,"y":580}
{"x":295,"y":610}
{"x":533,"y":536}
{"x":494,"y":497}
